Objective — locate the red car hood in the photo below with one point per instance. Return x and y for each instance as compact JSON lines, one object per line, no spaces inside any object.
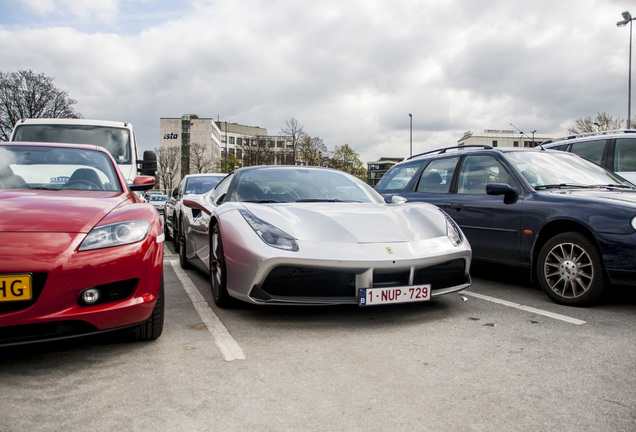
{"x":55,"y":211}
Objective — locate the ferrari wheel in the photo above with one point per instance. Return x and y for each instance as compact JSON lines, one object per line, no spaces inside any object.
{"x":165,"y":228}
{"x":153,"y":326}
{"x":570,"y":271}
{"x":183,"y":259}
{"x":218,"y":275}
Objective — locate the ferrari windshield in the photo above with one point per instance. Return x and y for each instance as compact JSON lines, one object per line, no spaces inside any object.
{"x":287,"y":184}
{"x":547,"y":169}
{"x":115,"y":140}
{"x":56,"y":168}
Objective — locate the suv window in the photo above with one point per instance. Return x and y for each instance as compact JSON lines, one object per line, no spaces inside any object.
{"x":625,"y":157}
{"x":590,"y":150}
{"x":478,"y":171}
{"x":437,"y":176}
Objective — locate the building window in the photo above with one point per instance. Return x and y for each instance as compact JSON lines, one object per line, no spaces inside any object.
{"x":279,"y":144}
{"x":239,"y":141}
{"x":223,"y":139}
{"x":231,"y":140}
{"x":515,"y":143}
{"x":494,"y":143}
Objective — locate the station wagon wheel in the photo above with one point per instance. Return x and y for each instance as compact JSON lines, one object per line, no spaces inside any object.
{"x":570,"y":271}
{"x":218,"y":274}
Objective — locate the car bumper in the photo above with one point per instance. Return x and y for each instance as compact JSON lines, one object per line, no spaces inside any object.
{"x":129,"y":278}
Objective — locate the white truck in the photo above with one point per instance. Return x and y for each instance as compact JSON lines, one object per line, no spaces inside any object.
{"x":117,"y":137}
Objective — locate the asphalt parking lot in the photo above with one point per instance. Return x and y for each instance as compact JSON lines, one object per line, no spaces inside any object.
{"x":500,"y":356}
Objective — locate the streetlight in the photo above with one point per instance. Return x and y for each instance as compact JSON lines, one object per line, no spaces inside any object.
{"x":627,"y":18}
{"x":410,"y":135}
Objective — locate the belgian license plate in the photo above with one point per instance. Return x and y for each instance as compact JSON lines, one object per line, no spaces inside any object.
{"x":15,"y":287}
{"x":378,"y":296}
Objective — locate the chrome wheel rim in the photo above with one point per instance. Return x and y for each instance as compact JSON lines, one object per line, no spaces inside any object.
{"x":569,"y":271}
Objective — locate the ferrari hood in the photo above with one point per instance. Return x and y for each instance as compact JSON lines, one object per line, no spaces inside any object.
{"x":55,"y":211}
{"x":354,"y":222}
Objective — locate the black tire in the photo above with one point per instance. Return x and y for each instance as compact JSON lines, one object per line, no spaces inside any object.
{"x":175,"y":234}
{"x":153,"y":327}
{"x":218,"y":274}
{"x":570,"y":270}
{"x":183,"y":259}
{"x":165,"y":228}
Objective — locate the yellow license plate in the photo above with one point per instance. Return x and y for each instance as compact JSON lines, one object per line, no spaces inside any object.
{"x":15,"y":287}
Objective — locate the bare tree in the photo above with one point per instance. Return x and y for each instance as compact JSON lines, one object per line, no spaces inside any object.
{"x":312,"y":150}
{"x":602,"y":122}
{"x":200,"y":159}
{"x":169,"y":162}
{"x":259,"y":154}
{"x":25,"y":94}
{"x":294,"y":131}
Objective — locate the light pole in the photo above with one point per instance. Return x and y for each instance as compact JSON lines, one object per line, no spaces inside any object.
{"x":627,"y":18}
{"x":410,"y":135}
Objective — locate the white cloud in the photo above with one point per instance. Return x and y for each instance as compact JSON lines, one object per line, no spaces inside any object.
{"x":350,"y":72}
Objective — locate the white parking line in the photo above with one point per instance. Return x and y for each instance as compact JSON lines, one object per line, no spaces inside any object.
{"x":526,"y":308}
{"x":226,"y":343}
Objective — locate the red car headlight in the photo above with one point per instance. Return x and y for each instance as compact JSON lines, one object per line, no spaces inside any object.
{"x":115,"y":235}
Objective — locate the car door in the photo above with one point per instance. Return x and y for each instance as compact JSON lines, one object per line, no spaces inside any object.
{"x":490,"y":222}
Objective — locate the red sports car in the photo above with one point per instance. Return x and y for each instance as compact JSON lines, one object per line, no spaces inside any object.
{"x":79,"y":252}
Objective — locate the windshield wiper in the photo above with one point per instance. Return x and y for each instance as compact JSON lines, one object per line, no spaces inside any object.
{"x":562,"y":186}
{"x":614,"y":186}
{"x":264,"y":201}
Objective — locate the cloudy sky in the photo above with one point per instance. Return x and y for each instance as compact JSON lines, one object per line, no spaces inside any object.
{"x":350,"y":71}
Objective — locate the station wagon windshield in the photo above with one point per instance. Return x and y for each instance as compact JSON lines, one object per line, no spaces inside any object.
{"x":561,"y":170}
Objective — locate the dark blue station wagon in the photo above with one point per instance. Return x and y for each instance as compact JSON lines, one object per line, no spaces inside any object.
{"x":570,"y":221}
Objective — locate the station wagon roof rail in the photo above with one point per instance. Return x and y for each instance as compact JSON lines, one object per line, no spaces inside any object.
{"x":443,"y":150}
{"x":586,"y":134}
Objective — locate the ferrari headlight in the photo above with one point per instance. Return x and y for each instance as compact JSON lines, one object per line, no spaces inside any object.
{"x":115,"y":235}
{"x":634,"y":222}
{"x":453,"y":232}
{"x":269,"y":233}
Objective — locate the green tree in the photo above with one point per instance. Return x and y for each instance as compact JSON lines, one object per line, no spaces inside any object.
{"x":347,"y":160}
{"x":602,"y":122}
{"x":25,"y":94}
{"x":226,"y":164}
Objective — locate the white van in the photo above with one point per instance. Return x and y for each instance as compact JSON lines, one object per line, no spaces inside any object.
{"x":117,"y":137}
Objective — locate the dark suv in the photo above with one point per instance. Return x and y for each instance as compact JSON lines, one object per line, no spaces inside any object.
{"x":615,"y":150}
{"x":569,"y":220}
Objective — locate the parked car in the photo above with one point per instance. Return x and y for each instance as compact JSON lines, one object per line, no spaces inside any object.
{"x":173,"y":210}
{"x":310,"y":235}
{"x":79,"y":253}
{"x":615,"y":150}
{"x":159,"y":201}
{"x":570,"y":221}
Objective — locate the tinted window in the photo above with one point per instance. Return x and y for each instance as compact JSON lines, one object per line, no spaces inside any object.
{"x":625,"y":158}
{"x":590,"y":150}
{"x":437,"y":176}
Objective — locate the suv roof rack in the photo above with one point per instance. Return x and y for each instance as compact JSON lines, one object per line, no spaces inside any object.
{"x":443,"y":150}
{"x":586,"y":134}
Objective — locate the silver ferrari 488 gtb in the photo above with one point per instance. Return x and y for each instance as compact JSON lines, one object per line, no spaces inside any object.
{"x":315,"y":236}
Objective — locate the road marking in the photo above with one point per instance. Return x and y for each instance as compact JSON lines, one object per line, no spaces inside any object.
{"x":224,"y":341}
{"x":526,"y":308}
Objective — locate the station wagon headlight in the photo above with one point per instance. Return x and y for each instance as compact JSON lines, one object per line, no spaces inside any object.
{"x":453,"y":232}
{"x":269,"y":233}
{"x":634,"y":222}
{"x":117,"y":234}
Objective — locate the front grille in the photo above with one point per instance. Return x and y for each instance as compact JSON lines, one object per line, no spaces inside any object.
{"x":38,"y":280}
{"x":446,"y":275}
{"x":308,"y":282}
